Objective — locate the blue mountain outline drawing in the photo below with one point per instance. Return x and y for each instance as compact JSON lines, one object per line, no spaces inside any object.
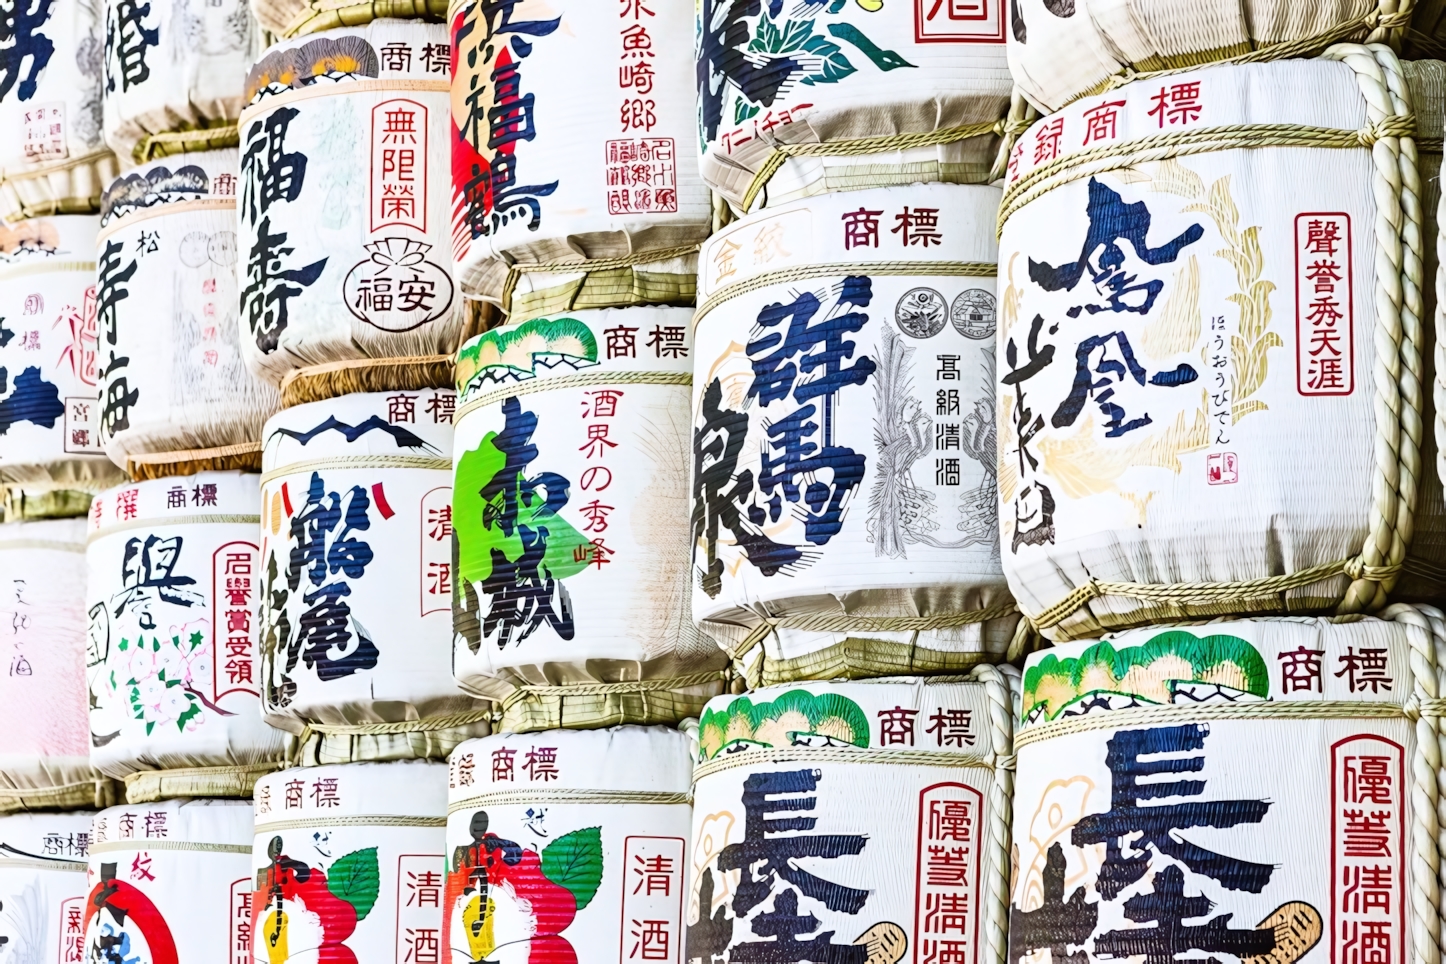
{"x":32,"y":400}
{"x":351,"y":433}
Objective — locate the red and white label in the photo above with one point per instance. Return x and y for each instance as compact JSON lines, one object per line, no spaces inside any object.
{"x":1368,"y":851}
{"x":1222,"y":468}
{"x":436,"y":555}
{"x":240,"y":936}
{"x":419,"y":909}
{"x":234,"y":573}
{"x":44,"y":132}
{"x":642,"y":176}
{"x":652,"y":916}
{"x":946,"y":902}
{"x":959,"y":21}
{"x":72,"y":930}
{"x":398,"y":183}
{"x":1324,"y":310}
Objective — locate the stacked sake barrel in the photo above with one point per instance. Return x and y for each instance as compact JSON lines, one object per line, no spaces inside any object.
{"x":348,"y":863}
{"x":53,"y":155}
{"x":577,"y":210}
{"x":170,"y":881}
{"x":568,"y":846}
{"x":43,"y":886}
{"x":350,"y":309}
{"x":175,"y":580}
{"x":1159,"y":475}
{"x":843,"y":520}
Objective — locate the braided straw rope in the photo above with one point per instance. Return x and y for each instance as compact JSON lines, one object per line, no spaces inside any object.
{"x":359,"y":462}
{"x":155,"y":146}
{"x":1002,"y":690}
{"x":564,"y":795}
{"x":1397,"y":373}
{"x":315,"y":383}
{"x":846,"y":623}
{"x":516,"y":270}
{"x":358,"y":820}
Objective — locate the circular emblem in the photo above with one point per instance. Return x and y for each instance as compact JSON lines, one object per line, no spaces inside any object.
{"x":973,"y":313}
{"x":921,"y":313}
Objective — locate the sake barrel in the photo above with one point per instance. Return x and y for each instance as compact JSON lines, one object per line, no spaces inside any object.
{"x":803,"y":99}
{"x":43,"y":886}
{"x":567,"y":845}
{"x":344,"y":201}
{"x":1149,"y":741}
{"x":171,"y":881}
{"x":355,"y":578}
{"x":176,"y":390}
{"x":1062,"y":51}
{"x":583,"y":196}
{"x":348,"y":863}
{"x":49,"y":349}
{"x":1187,"y":327}
{"x":843,"y":448}
{"x":174,"y":75}
{"x":571,"y":522}
{"x":53,"y":157}
{"x":45,"y":757}
{"x":915,"y":869}
{"x":174,"y":582}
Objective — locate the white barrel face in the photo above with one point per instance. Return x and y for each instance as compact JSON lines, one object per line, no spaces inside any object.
{"x":43,"y":687}
{"x":567,"y":845}
{"x":1139,"y":796}
{"x":1180,"y":342}
{"x":51,"y":80}
{"x":348,"y":863}
{"x":897,"y":821}
{"x":356,"y":558}
{"x":571,"y":121}
{"x":51,"y":354}
{"x":173,"y":67}
{"x":843,"y":415}
{"x":173,"y":585}
{"x":770,"y":73}
{"x":170,"y":881}
{"x":591,"y":410}
{"x":343,"y":206}
{"x":43,"y":886}
{"x":174,"y":379}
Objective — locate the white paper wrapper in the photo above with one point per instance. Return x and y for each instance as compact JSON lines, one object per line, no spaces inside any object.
{"x":778,"y":73}
{"x":1254,"y":777}
{"x":348,"y":863}
{"x":901,"y":846}
{"x":844,"y":463}
{"x":45,"y":758}
{"x":174,"y":582}
{"x":356,"y":562}
{"x":572,"y":470}
{"x":1059,"y":51}
{"x":1180,"y":340}
{"x":343,"y":206}
{"x":43,"y":886}
{"x":572,"y":137}
{"x":51,"y":436}
{"x":567,"y":845}
{"x":171,"y":881}
{"x":166,"y":259}
{"x":52,"y":155}
{"x":173,"y":67}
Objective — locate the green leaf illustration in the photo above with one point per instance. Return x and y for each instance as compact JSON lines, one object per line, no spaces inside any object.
{"x":742,"y":110}
{"x":883,"y":59}
{"x":836,"y":66}
{"x":574,"y":862}
{"x":354,"y":878}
